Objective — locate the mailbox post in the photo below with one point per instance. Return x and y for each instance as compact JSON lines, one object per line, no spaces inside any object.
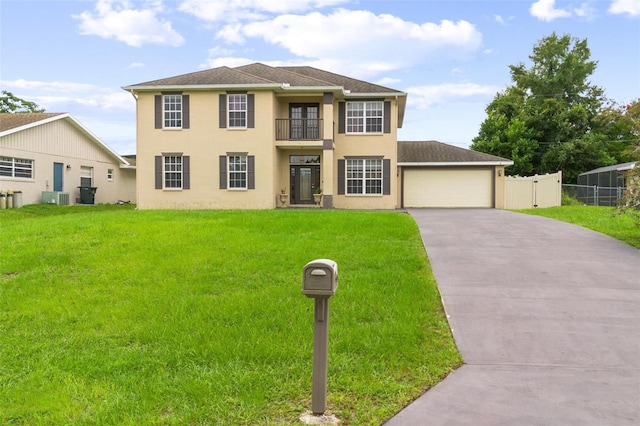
{"x":320,"y":281}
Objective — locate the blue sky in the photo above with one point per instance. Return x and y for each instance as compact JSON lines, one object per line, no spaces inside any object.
{"x":451,"y":57}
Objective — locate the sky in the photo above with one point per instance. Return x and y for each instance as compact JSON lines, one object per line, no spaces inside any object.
{"x":450,"y":56}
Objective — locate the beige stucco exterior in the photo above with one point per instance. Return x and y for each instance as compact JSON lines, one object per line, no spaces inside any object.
{"x":63,"y":140}
{"x":204,"y":141}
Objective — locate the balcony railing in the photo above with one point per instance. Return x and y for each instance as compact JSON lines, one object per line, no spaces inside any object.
{"x":299,"y":129}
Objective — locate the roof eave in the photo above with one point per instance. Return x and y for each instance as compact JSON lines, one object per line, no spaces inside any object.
{"x":157,"y":88}
{"x":456,"y":163}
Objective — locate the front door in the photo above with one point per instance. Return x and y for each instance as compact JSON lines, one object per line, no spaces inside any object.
{"x":57,"y":176}
{"x":304,"y":121}
{"x":304,"y":181}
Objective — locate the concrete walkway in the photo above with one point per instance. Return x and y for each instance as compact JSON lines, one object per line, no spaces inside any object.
{"x":546,"y":316}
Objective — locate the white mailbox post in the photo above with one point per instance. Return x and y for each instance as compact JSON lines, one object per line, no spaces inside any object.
{"x":320,"y":281}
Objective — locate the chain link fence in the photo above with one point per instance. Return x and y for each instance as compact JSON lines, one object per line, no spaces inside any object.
{"x":594,"y":195}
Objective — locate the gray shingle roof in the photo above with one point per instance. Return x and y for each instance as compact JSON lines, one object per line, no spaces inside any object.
{"x":438,"y":152}
{"x":352,"y":84}
{"x":19,"y":119}
{"x":257,"y":74}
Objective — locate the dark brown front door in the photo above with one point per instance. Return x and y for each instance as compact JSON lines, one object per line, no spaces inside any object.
{"x":304,"y":180}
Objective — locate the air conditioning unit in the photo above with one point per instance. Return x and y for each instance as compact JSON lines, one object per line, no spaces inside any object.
{"x":55,"y":197}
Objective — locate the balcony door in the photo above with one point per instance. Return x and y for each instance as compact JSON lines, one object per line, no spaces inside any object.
{"x":304,"y":121}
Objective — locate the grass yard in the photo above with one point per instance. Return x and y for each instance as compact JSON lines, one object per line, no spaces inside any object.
{"x":114,"y":316}
{"x":599,"y":219}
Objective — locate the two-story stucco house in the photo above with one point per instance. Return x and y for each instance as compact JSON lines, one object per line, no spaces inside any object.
{"x":227,"y":138}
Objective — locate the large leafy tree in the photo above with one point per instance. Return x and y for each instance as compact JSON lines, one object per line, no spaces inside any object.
{"x":550,"y":105}
{"x":11,"y":103}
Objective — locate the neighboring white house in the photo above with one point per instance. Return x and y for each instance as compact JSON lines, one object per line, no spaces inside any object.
{"x":53,"y":153}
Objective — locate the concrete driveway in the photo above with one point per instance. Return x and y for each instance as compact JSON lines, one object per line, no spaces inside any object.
{"x":546,"y":316}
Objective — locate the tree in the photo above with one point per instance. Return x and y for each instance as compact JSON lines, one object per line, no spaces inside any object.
{"x":621,"y":125}
{"x":11,"y":103}
{"x":551,"y":103}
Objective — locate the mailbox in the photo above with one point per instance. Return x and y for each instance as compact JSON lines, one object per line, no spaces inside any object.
{"x":320,"y":278}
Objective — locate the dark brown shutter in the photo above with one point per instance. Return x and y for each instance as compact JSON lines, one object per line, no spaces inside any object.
{"x":186,"y":172}
{"x":158,"y":170}
{"x":386,"y":177}
{"x":386,"y":122}
{"x":222,"y":102}
{"x":341,"y":117}
{"x":223,"y":172}
{"x":341,"y":174}
{"x":251,"y":172}
{"x":158,"y":111}
{"x":251,"y":108}
{"x":185,"y":112}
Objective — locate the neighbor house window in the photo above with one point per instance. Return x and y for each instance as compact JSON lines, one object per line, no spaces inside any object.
{"x":109,"y":174}
{"x":173,"y":111}
{"x":237,"y":171}
{"x":16,"y":168}
{"x":237,"y":109}
{"x":364,"y":176}
{"x":365,"y":117}
{"x":172,"y":171}
{"x":86,"y":176}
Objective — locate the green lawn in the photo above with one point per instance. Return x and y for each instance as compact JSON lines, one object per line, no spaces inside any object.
{"x":114,"y":316}
{"x":599,"y":219}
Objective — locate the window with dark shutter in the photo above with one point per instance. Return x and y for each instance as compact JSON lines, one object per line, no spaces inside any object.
{"x":186,"y":172}
{"x":158,"y":111}
{"x":341,"y":117}
{"x":386,"y":177}
{"x":222,"y":104}
{"x":251,"y":172}
{"x":251,"y":107}
{"x":223,"y":171}
{"x":158,"y":170}
{"x":185,"y":112}
{"x":341,"y":172}
{"x":387,"y":117}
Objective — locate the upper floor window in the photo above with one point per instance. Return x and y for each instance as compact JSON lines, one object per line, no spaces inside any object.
{"x":365,"y":117}
{"x":173,"y":111}
{"x":16,"y":167}
{"x":237,"y":111}
{"x":364,"y":176}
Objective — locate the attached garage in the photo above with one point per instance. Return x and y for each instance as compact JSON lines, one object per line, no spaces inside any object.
{"x":448,"y":187}
{"x":436,"y":175}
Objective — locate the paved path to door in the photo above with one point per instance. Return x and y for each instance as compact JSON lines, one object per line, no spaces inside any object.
{"x":546,"y":316}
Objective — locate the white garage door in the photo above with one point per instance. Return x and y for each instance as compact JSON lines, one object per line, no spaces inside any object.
{"x":448,"y":187}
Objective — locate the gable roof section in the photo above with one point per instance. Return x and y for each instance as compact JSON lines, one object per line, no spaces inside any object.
{"x":18,"y":122}
{"x":12,"y":121}
{"x":433,"y":153}
{"x":281,"y":79}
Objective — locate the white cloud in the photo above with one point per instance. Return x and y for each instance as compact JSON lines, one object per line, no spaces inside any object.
{"x":632,"y":7}
{"x":118,"y":20}
{"x":60,"y":95}
{"x":136,"y":65}
{"x":585,"y":11}
{"x":424,"y":97}
{"x":360,"y":42}
{"x":499,"y":19}
{"x":238,"y":10}
{"x":545,"y":10}
{"x":388,"y":81}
